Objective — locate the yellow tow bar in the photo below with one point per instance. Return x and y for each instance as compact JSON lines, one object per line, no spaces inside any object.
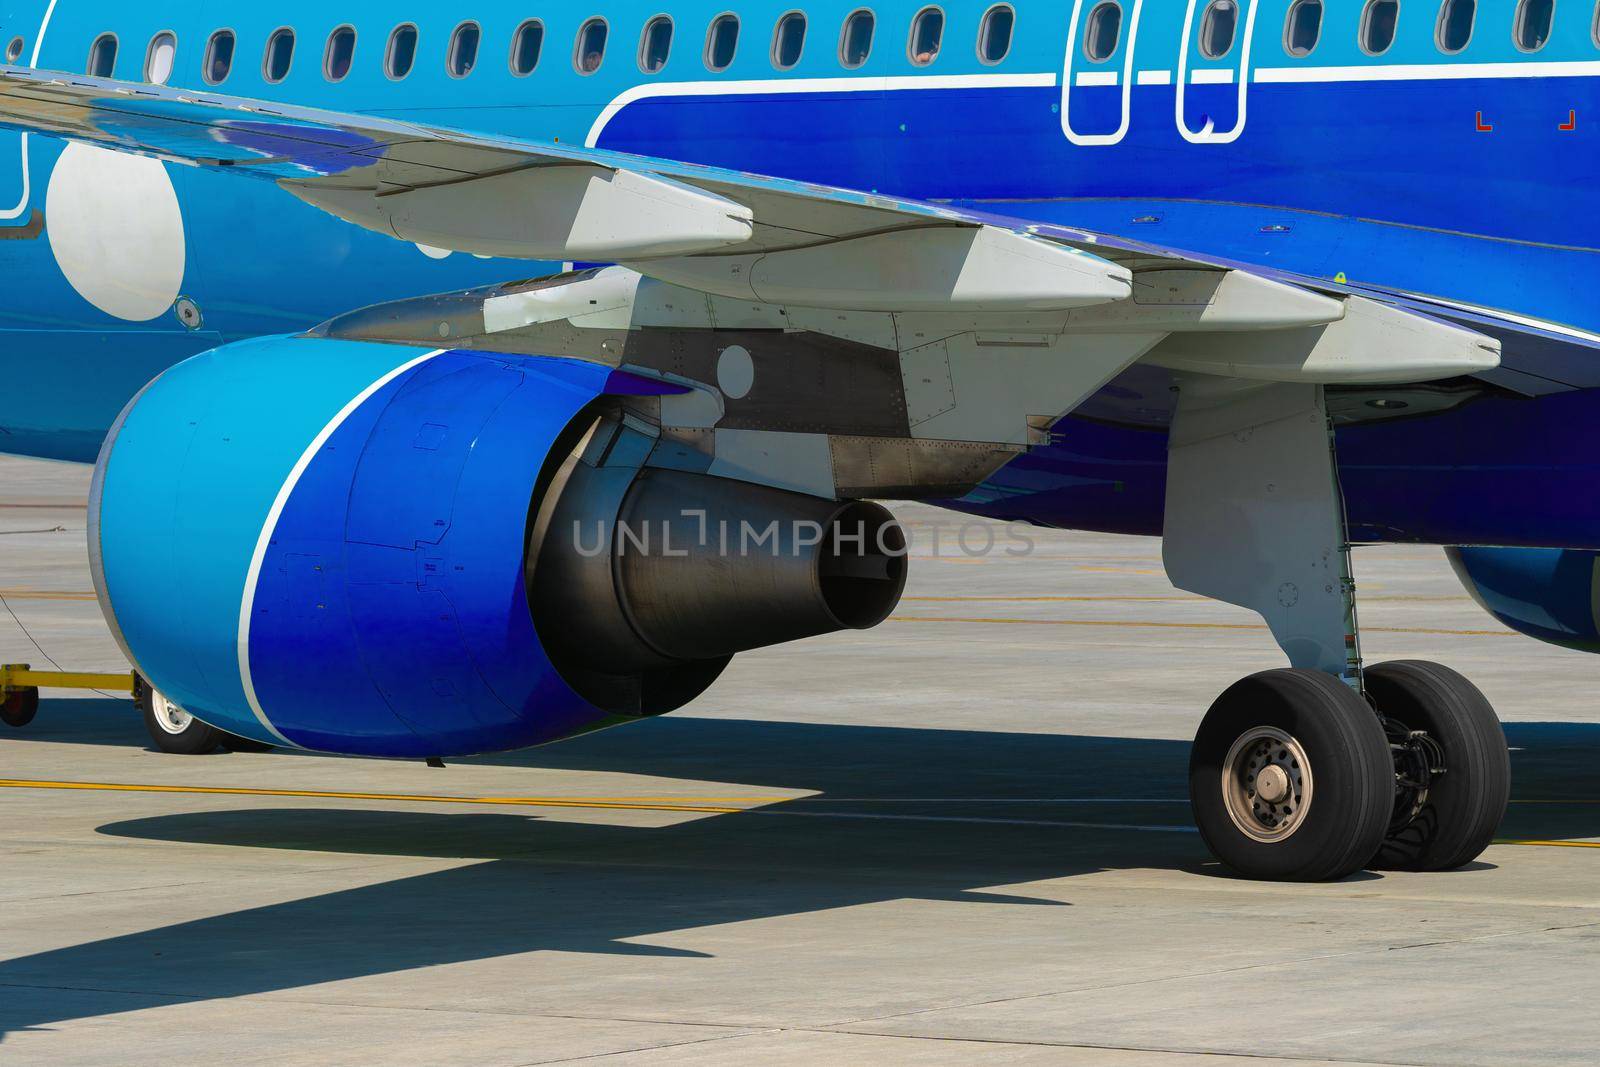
{"x":20,"y":685}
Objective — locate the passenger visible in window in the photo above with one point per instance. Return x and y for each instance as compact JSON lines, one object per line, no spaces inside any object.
{"x":927,"y":34}
{"x":655,"y":45}
{"x":591,"y":50}
{"x":219,"y":57}
{"x":464,"y":49}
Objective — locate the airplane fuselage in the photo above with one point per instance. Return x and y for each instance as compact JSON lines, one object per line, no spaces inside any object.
{"x":1455,"y":181}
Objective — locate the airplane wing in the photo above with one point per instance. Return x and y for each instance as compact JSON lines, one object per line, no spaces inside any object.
{"x":994,"y":328}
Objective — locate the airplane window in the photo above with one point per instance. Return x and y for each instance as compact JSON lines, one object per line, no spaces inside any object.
{"x":1303,"y":28}
{"x":526,"y":46}
{"x":280,"y":55}
{"x":1217,"y":28}
{"x":1377,"y":26}
{"x":402,"y":51}
{"x":855,"y":43}
{"x":1533,"y":23}
{"x":158,"y":59}
{"x":14,"y":49}
{"x":463,"y":50}
{"x":590,"y":50}
{"x":1103,"y":31}
{"x":994,"y":36}
{"x":927,"y":33}
{"x":103,"y":56}
{"x":340,"y":53}
{"x":1455,"y":24}
{"x":788,"y":40}
{"x":656,"y":44}
{"x":722,"y":42}
{"x":219,"y":57}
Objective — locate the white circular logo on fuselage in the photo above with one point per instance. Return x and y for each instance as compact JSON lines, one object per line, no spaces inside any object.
{"x":116,"y":230}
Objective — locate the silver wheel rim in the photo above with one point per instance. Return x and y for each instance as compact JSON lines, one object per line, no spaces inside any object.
{"x":1266,"y":784}
{"x":168,"y":716}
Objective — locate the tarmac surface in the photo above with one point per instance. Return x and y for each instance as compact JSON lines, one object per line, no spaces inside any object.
{"x":959,"y":838}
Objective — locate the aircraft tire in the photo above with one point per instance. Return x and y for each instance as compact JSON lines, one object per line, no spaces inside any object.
{"x":19,"y":707}
{"x":1290,"y":778}
{"x":1464,"y":806}
{"x":170,"y":727}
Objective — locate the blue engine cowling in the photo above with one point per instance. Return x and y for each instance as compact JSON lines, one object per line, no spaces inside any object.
{"x":371,"y":549}
{"x":1552,"y":594}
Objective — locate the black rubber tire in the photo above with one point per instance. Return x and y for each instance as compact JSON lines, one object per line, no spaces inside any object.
{"x":1352,"y":773}
{"x":196,"y":739}
{"x":19,"y":707}
{"x":1465,"y":805}
{"x":235,"y":743}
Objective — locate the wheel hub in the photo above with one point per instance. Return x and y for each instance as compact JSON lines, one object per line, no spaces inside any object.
{"x":170,"y":717}
{"x":1266,"y":784}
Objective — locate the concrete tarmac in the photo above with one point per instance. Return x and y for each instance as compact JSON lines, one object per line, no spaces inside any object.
{"x":959,"y":838}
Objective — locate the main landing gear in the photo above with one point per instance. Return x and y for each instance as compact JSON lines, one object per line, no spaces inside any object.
{"x":1314,"y":772}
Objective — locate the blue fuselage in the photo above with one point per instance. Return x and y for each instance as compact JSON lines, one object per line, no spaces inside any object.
{"x":1461,"y":181}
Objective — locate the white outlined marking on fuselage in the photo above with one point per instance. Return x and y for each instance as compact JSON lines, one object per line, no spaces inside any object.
{"x":253,"y":575}
{"x":22,"y":138}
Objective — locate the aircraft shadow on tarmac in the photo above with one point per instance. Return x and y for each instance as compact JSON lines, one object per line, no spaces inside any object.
{"x":587,"y":888}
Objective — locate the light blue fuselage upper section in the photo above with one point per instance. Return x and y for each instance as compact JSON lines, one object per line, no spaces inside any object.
{"x":1448,"y":176}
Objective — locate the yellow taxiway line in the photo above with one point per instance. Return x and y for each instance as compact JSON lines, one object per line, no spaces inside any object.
{"x":1143,"y":624}
{"x":713,"y":805}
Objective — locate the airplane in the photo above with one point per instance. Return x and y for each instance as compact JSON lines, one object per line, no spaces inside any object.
{"x":394,"y":332}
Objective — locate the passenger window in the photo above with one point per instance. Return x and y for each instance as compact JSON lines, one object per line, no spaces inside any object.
{"x":219,"y":57}
{"x":1533,"y":23}
{"x":994,"y":36}
{"x":655,"y":44}
{"x":1455,"y":25}
{"x":340,"y":54}
{"x":401,"y":55}
{"x":855,"y":42}
{"x":280,"y":56}
{"x":103,"y":56}
{"x":789,"y":40}
{"x":1103,"y":32}
{"x":14,"y":49}
{"x":1217,"y":28}
{"x":526,"y":46}
{"x":590,"y":51}
{"x":1303,"y":28}
{"x":1377,"y":26}
{"x":722,"y":42}
{"x":159,"y":58}
{"x":927,"y":33}
{"x":463,"y":54}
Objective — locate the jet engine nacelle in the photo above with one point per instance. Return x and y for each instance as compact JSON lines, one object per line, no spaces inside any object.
{"x":371,"y":549}
{"x":1552,"y":594}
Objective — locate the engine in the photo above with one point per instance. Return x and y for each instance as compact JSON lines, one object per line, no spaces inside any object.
{"x":372,"y":549}
{"x":1552,"y":594}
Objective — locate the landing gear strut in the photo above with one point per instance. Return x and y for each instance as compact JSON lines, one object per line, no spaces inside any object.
{"x":1314,"y":772}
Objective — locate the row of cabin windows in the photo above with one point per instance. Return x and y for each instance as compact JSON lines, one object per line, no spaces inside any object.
{"x":1302,"y":28}
{"x":589,"y":49}
{"x":1102,"y":35}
